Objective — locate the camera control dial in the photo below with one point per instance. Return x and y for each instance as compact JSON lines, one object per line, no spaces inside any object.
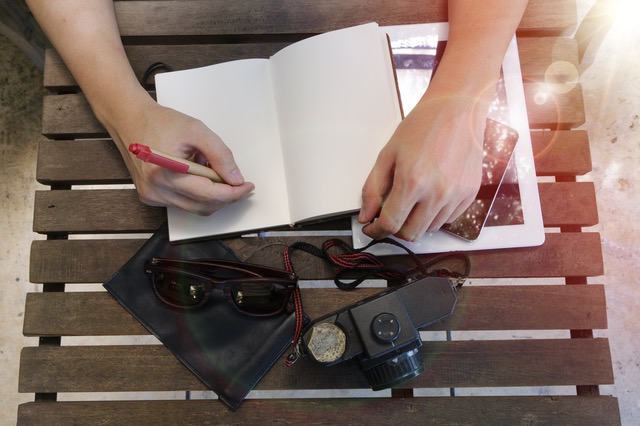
{"x":386,"y":327}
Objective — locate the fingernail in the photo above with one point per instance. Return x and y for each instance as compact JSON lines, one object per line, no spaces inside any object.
{"x":235,"y":177}
{"x":362,"y":216}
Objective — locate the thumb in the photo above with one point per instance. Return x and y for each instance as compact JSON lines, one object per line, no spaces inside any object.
{"x":219,"y":157}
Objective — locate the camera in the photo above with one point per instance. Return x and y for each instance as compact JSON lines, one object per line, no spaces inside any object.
{"x":380,"y":333}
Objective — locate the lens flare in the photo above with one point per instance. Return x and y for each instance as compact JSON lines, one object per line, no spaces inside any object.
{"x":561,"y":77}
{"x":626,"y":14}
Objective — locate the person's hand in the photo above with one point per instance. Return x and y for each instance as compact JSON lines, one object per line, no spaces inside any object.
{"x":182,"y":136}
{"x":86,"y":36}
{"x":431,"y":169}
{"x":428,"y":173}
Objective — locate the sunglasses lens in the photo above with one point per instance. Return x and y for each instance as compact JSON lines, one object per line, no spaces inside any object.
{"x":259,"y":298}
{"x":180,"y":289}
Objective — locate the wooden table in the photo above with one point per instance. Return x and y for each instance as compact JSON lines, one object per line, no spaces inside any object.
{"x":545,"y":288}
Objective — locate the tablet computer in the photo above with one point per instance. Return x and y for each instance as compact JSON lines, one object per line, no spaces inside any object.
{"x":515,"y":216}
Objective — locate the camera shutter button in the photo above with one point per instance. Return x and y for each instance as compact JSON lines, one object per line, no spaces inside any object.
{"x":386,"y":327}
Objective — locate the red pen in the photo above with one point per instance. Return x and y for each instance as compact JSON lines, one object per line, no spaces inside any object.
{"x":170,"y":162}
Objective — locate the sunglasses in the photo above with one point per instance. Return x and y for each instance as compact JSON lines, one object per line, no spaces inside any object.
{"x":252,"y":289}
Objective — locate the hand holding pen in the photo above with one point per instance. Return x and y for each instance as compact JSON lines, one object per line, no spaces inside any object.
{"x":180,"y":137}
{"x":222,"y":192}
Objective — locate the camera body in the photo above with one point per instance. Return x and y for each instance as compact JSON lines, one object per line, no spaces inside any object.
{"x":380,"y":333}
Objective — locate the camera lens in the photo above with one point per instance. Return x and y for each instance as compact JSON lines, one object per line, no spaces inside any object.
{"x":395,"y":371}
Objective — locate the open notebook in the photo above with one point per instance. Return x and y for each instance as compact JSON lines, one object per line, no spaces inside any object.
{"x":305,"y":126}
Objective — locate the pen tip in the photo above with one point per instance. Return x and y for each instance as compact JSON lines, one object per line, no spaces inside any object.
{"x":134,"y":148}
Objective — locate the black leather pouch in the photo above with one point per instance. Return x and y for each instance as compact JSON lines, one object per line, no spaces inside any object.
{"x":230,"y":352}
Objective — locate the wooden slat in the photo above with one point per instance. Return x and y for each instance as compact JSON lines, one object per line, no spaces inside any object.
{"x":549,"y":107}
{"x":256,"y":17}
{"x":78,"y":314}
{"x":563,"y":153}
{"x":79,"y":162}
{"x":109,"y":211}
{"x":545,"y":307}
{"x":94,"y":261}
{"x":70,"y":116}
{"x":536,"y":56}
{"x":469,"y":363}
{"x":479,"y":363}
{"x":546,"y":410}
{"x":167,"y":18}
{"x":536,"y":17}
{"x":95,"y":211}
{"x":179,"y":57}
{"x":84,"y":260}
{"x":566,"y":254}
{"x":543,"y":410}
{"x":568,"y":202}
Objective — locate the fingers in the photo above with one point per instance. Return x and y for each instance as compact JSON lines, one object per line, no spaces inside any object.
{"x":392,"y":216}
{"x":414,"y":207}
{"x":228,"y":195}
{"x":460,"y":209}
{"x":194,"y":194}
{"x":421,"y":220}
{"x":206,"y":192}
{"x":410,"y":221}
{"x":375,"y":188}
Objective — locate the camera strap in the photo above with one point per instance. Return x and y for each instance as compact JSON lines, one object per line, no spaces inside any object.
{"x":360,"y":266}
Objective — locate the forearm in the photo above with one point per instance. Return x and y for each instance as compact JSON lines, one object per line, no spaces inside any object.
{"x":479,"y":34}
{"x":85,"y":34}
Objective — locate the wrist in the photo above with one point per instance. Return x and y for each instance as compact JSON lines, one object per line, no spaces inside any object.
{"x":122,"y":109}
{"x":125,"y":117}
{"x":469,"y":81}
